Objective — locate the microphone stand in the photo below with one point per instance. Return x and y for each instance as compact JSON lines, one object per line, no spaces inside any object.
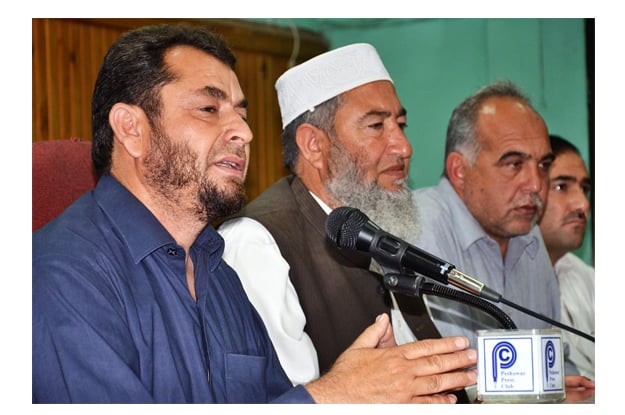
{"x":416,"y":285}
{"x":412,"y":285}
{"x":350,"y":228}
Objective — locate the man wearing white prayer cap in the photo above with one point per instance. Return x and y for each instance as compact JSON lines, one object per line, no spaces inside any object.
{"x":343,"y":140}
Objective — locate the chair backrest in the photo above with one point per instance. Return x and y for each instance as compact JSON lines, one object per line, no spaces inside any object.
{"x":62,"y":172}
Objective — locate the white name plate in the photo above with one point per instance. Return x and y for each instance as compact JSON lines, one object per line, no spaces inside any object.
{"x":520,"y":366}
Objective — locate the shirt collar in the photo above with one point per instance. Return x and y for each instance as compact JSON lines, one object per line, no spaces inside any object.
{"x":140,"y":230}
{"x":134,"y":223}
{"x":325,"y":207}
{"x":472,"y":231}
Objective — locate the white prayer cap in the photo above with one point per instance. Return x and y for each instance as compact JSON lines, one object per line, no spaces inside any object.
{"x":326,"y":76}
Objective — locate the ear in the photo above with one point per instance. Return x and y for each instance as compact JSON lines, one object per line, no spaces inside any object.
{"x":129,"y":125}
{"x":456,"y":168}
{"x":309,"y":139}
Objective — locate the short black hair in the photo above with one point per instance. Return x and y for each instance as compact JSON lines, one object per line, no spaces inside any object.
{"x":133,"y":72}
{"x":561,"y":145}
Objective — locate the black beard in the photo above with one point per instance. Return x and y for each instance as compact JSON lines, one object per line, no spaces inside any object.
{"x":172,"y":169}
{"x":215,"y":204}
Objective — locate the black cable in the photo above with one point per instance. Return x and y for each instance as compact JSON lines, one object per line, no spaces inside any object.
{"x":470,"y":299}
{"x":414,"y":285}
{"x":541,"y":317}
{"x":417,"y":285}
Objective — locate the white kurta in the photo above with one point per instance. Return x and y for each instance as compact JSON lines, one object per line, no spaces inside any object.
{"x":577,"y":296}
{"x":253,"y":253}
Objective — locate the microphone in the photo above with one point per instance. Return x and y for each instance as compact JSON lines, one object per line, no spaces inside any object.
{"x":348,"y":227}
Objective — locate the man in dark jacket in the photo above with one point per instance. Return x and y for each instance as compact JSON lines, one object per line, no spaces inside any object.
{"x":344,"y":142}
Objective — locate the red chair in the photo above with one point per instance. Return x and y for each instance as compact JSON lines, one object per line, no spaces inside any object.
{"x":62,"y":172}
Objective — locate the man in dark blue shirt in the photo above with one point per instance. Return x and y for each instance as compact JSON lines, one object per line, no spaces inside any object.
{"x":113,"y":319}
{"x":132,"y":301}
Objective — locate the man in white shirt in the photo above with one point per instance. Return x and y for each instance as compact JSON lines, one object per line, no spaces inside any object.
{"x":563,"y":227}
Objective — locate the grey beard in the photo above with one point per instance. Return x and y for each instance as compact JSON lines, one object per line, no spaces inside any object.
{"x":394,"y":212}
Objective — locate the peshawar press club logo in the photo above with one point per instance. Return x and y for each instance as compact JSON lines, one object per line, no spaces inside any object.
{"x":504,"y":355}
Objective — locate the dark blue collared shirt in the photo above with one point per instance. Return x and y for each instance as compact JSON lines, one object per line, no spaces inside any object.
{"x":113,"y":320}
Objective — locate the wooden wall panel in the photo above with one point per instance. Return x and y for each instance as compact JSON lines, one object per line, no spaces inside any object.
{"x":257,"y":74}
{"x":66,"y":58}
{"x":67,"y":54}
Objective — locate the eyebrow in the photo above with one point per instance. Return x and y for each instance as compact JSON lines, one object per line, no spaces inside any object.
{"x":221,"y":95}
{"x":384,"y":114}
{"x":563,"y":178}
{"x":546,"y":157}
{"x":570,"y":179}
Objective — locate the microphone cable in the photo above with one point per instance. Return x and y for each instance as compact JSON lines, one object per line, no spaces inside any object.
{"x":349,"y":228}
{"x":547,"y":319}
{"x":418,"y":285}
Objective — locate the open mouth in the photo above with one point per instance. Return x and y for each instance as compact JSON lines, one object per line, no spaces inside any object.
{"x":230,"y":164}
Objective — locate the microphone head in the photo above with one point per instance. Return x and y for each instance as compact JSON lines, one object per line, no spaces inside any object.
{"x":344,"y":225}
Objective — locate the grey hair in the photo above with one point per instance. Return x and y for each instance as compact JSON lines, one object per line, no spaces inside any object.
{"x":321,"y":117}
{"x":461,"y":130}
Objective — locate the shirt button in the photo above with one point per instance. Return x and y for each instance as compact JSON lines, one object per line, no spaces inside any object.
{"x":172,"y":251}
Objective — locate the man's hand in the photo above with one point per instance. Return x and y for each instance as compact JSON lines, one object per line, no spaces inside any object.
{"x":579,"y":388}
{"x":374,"y":370}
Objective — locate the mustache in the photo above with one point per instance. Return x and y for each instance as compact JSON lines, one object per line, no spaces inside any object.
{"x":228,"y":150}
{"x":534,"y":199}
{"x":236,"y":150}
{"x":575,"y":215}
{"x":537,"y":200}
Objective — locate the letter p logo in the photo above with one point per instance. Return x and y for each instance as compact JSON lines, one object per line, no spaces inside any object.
{"x":504,"y":356}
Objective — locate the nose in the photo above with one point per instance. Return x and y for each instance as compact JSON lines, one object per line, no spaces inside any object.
{"x":535,"y":179}
{"x":238,"y":129}
{"x":579,"y":201}
{"x":399,"y":144}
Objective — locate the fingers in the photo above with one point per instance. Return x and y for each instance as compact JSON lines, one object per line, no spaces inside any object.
{"x":574,"y":381}
{"x":431,"y":347}
{"x":419,"y":372}
{"x":431,"y":385}
{"x":388,"y":339}
{"x":579,"y":389}
{"x":379,"y":334}
{"x":441,"y":363}
{"x":435,"y":399}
